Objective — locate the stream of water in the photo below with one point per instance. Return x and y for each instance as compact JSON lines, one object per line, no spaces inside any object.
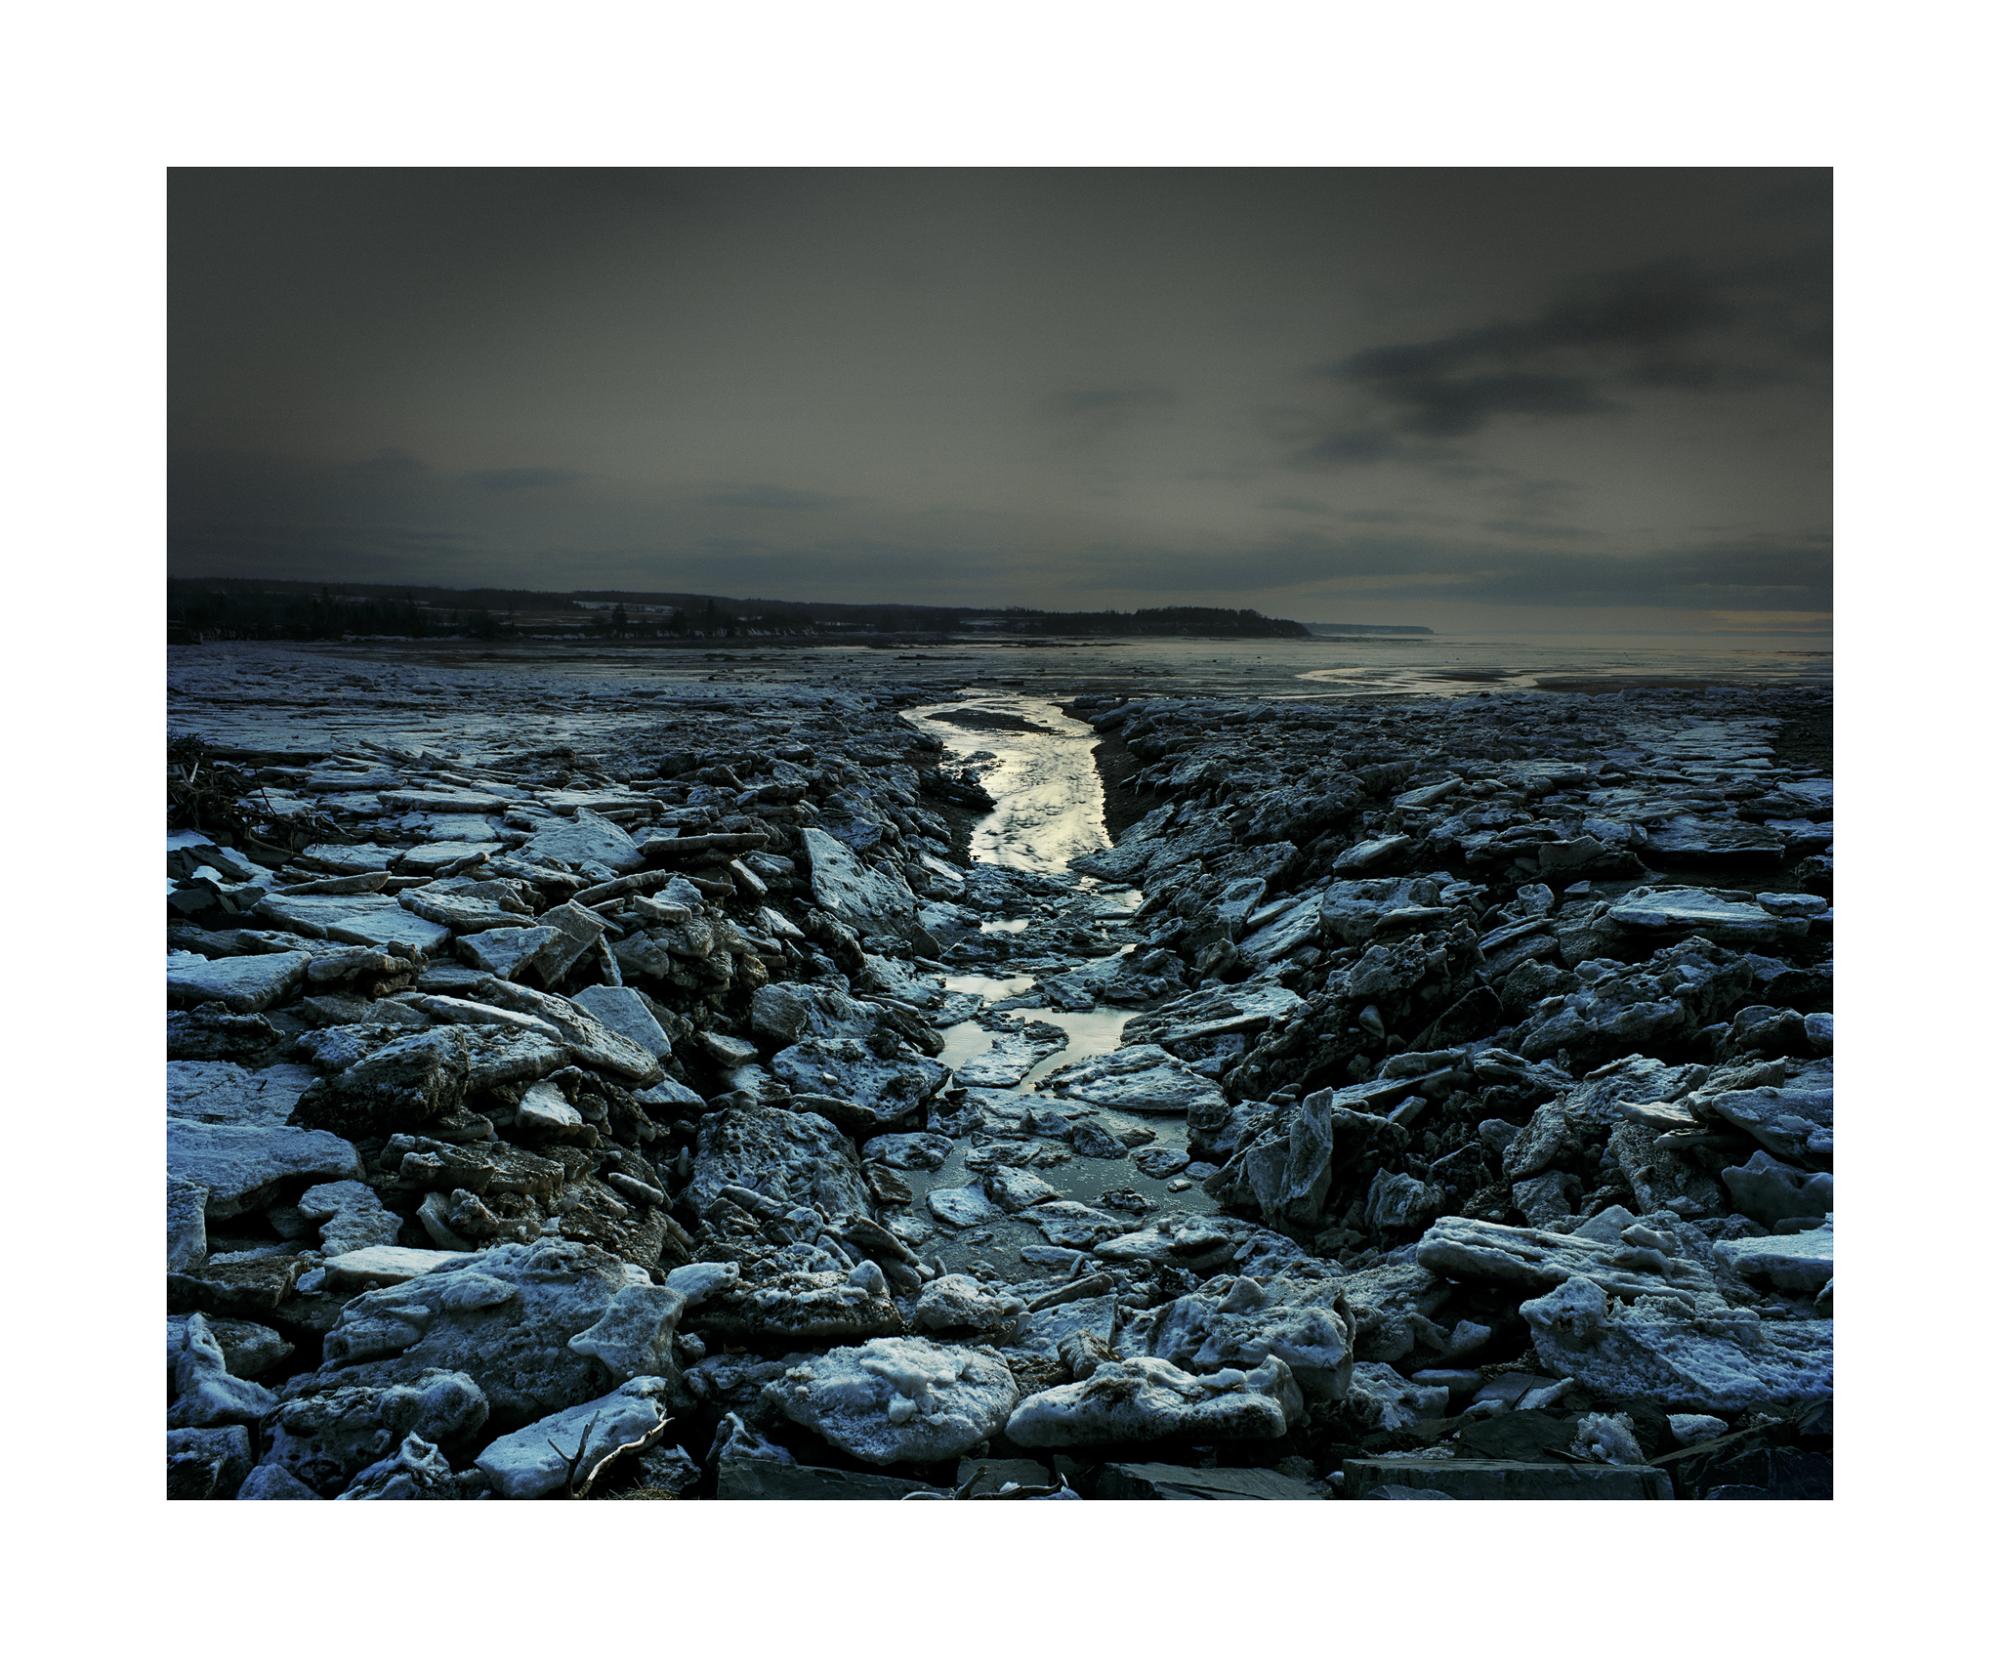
{"x":1035,"y":760}
{"x":1037,"y":763}
{"x":1048,"y":809}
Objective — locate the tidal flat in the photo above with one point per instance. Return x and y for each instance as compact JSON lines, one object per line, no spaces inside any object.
{"x":1179,"y":1070}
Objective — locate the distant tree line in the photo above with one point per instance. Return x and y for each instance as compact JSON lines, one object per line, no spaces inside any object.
{"x":295,"y":611}
{"x":197,"y":612}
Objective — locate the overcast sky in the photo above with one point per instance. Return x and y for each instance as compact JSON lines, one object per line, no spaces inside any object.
{"x":1532,"y":399}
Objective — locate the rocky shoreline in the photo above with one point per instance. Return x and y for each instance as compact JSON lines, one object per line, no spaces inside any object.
{"x":1425,"y":1098}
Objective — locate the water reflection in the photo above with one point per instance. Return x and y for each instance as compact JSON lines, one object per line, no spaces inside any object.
{"x":1036,"y":762}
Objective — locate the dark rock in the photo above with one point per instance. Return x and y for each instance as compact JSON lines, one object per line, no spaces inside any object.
{"x":1180,"y":1481}
{"x":1503,"y":1479}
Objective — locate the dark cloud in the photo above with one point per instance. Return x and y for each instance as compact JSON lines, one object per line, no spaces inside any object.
{"x":1648,"y":311}
{"x":1452,"y":407}
{"x":1664,"y":326}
